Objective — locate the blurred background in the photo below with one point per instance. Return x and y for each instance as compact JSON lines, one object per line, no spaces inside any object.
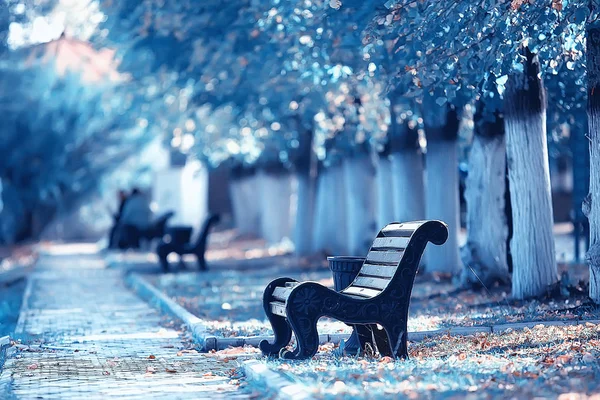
{"x":262,"y":112}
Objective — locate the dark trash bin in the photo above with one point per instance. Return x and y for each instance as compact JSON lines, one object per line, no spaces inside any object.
{"x":344,"y":270}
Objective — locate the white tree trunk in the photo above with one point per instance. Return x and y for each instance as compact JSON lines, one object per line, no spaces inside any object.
{"x":303,"y":215}
{"x":592,"y":204}
{"x":359,"y":175}
{"x":442,"y":200}
{"x":532,"y":243}
{"x":385,"y":194}
{"x":485,"y":254}
{"x":246,"y":204}
{"x":275,"y":191}
{"x":408,"y":188}
{"x":330,"y":212}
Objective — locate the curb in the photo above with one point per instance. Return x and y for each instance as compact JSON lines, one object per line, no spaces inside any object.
{"x":158,"y":299}
{"x":200,"y":334}
{"x":14,"y":274}
{"x":19,"y":327}
{"x":280,"y":385}
{"x":4,"y":344}
{"x":5,"y":376}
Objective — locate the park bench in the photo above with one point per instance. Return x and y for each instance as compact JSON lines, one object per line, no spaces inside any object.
{"x":158,"y":228}
{"x":182,"y":248}
{"x":376,"y":302}
{"x":130,"y":236}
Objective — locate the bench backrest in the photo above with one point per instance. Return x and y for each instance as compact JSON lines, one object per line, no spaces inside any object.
{"x":394,"y":256}
{"x":203,"y":236}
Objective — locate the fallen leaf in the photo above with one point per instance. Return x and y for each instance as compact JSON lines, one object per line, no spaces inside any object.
{"x":32,"y":366}
{"x":152,"y":357}
{"x":208,"y":374}
{"x":170,"y":370}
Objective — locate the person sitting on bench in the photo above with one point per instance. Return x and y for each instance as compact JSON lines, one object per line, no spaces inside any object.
{"x":135,"y":218}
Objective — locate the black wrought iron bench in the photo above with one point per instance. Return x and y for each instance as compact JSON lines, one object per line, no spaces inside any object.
{"x":380,"y":295}
{"x":198,"y":248}
{"x":157,"y":229}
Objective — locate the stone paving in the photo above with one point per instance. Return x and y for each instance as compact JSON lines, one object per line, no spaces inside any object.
{"x":85,"y":335}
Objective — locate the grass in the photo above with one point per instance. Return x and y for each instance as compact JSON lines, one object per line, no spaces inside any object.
{"x":232,"y":302}
{"x":543,"y":362}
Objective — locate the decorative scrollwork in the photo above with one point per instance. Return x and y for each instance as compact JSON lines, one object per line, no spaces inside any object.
{"x":306,"y":300}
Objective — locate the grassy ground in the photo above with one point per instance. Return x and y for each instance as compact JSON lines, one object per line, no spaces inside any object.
{"x":233,"y":302}
{"x":542,"y":362}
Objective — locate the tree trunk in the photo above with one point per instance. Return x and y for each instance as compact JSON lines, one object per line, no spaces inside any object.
{"x":275,"y":191}
{"x":330,"y":212}
{"x":592,"y":205}
{"x":359,"y":176}
{"x":532,"y":244}
{"x":245,"y":201}
{"x":304,"y":198}
{"x":485,"y":255}
{"x":408,"y":186}
{"x":385,"y":196}
{"x":303,"y":214}
{"x":442,"y":187}
{"x":408,"y":172}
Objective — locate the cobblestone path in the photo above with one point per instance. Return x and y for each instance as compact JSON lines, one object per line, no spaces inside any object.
{"x":86,"y":335}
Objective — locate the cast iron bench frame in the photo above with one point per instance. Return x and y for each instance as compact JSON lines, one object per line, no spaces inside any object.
{"x":379,"y":295}
{"x":198,"y":248}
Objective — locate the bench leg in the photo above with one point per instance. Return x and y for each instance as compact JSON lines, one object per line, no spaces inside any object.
{"x":307,"y":337}
{"x":281,"y":328}
{"x":201,"y":262}
{"x":282,"y":333}
{"x":162,"y":251}
{"x":365,"y":337}
{"x":397,"y":335}
{"x":382,"y":341}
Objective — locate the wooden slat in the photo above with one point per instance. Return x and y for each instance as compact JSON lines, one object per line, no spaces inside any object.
{"x":363,"y":292}
{"x":383,"y":271}
{"x":354,"y":296}
{"x":278,"y":308}
{"x":387,"y":257}
{"x":282,"y":293}
{"x":390,"y":242}
{"x":402,"y":230}
{"x":370,"y":282}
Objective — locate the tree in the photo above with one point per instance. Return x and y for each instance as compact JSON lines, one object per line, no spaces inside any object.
{"x":485,"y":253}
{"x":534,"y":272}
{"x":73,"y":132}
{"x":454,"y":47}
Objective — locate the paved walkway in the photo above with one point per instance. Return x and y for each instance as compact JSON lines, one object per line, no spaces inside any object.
{"x":91,"y":337}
